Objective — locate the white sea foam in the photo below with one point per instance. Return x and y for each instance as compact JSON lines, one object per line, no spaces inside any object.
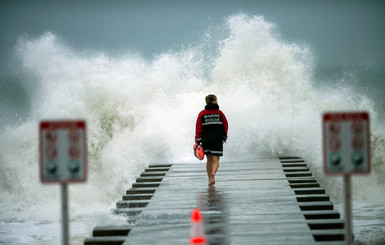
{"x":142,"y":111}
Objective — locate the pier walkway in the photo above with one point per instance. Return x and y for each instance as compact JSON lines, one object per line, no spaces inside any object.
{"x":264,"y":201}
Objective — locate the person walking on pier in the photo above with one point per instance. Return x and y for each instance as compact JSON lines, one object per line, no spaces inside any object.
{"x":211,"y":132}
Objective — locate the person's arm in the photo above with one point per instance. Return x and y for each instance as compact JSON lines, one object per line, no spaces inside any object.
{"x":198,"y":130}
{"x":225,"y":127}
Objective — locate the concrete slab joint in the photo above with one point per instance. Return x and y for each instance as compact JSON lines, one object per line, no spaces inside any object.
{"x":324,"y":222}
{"x":132,"y":205}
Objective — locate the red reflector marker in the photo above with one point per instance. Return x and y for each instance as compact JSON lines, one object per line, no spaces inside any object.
{"x":198,"y":240}
{"x":197,"y":231}
{"x":196,"y":215}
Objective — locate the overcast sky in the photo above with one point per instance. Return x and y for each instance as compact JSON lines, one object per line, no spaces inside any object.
{"x":339,"y":32}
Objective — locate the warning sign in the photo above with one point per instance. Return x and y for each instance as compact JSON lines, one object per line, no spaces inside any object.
{"x":63,"y":151}
{"x":346,"y":143}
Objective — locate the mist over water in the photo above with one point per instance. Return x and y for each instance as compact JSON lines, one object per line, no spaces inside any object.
{"x":141,"y":111}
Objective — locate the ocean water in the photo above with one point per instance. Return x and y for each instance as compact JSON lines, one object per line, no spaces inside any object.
{"x":143,"y":110}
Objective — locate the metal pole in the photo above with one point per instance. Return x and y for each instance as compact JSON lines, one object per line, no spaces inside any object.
{"x":348,"y":210}
{"x":64,"y":202}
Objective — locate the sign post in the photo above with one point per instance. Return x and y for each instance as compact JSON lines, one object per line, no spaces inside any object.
{"x":63,"y":159}
{"x":64,"y":205}
{"x":346,"y":151}
{"x":348,"y":210}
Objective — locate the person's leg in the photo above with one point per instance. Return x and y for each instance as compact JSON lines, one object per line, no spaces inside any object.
{"x":215,"y":164}
{"x":214,"y":168}
{"x":209,"y":166}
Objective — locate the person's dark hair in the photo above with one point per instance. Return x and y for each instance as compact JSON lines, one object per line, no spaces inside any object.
{"x":210,"y":98}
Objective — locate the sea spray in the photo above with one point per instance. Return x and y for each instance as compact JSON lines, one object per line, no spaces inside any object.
{"x":141,"y":111}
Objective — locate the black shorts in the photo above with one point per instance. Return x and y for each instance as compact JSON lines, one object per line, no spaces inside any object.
{"x":214,"y":148}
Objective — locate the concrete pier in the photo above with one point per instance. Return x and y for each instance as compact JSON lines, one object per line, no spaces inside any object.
{"x":264,"y":201}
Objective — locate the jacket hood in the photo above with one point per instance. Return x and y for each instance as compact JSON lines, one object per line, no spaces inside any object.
{"x":212,"y":106}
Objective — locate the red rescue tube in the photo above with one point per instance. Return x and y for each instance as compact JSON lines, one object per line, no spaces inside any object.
{"x":198,"y":152}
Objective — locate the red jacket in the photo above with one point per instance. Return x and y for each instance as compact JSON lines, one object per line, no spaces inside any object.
{"x":211,"y":124}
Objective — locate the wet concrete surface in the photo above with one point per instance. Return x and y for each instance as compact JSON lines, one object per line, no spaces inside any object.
{"x":251,"y":203}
